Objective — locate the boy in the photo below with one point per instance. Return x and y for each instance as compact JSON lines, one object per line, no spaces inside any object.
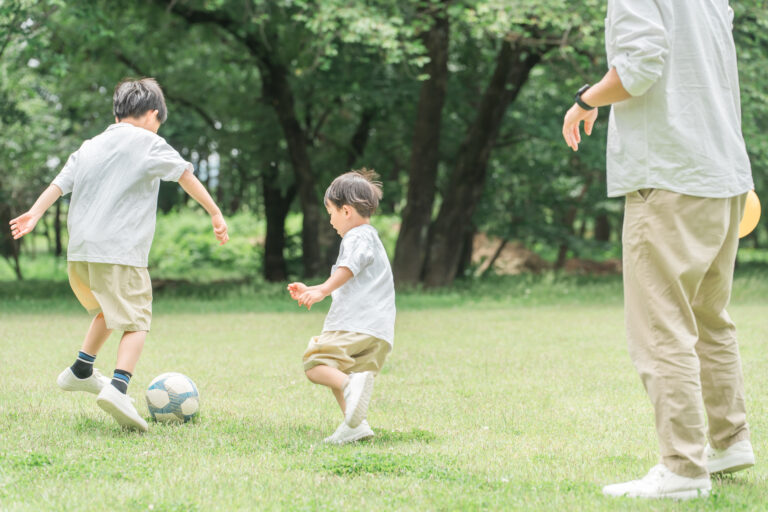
{"x":359,"y":330}
{"x":114,"y":179}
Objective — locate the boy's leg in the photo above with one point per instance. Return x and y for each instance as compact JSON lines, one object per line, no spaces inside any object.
{"x":113,"y":398}
{"x":81,"y":376}
{"x":96,"y":336}
{"x":330,"y":377}
{"x":131,"y":345}
{"x":342,"y":352}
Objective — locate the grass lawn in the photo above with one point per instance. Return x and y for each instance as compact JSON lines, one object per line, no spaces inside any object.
{"x":523,"y":398}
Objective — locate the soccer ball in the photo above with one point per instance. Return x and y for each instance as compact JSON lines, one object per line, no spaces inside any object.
{"x":172,"y":397}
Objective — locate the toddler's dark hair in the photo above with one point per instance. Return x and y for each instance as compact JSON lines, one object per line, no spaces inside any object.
{"x":358,"y":189}
{"x":133,"y":98}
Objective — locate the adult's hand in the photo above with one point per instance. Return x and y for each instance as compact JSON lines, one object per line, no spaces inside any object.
{"x":572,"y":124}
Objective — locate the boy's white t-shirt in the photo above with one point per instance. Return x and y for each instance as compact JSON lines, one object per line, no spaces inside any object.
{"x":114,"y":179}
{"x":366,"y":303}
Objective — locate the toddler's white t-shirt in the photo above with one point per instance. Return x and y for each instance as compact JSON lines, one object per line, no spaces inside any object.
{"x":366,"y":303}
{"x":114,"y":179}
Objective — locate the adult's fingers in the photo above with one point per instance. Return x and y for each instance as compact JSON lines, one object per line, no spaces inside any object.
{"x":588,"y":124}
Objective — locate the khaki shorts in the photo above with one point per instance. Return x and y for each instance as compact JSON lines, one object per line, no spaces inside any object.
{"x":122,"y":292}
{"x":347,"y":351}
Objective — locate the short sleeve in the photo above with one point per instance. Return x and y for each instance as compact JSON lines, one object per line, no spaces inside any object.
{"x":166,"y":163}
{"x":356,"y":253}
{"x":65,"y":180}
{"x":640,"y":44}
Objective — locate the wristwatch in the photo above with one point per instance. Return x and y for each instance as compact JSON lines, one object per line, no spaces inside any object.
{"x":578,"y":99}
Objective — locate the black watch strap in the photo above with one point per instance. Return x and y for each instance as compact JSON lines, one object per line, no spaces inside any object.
{"x":581,"y":102}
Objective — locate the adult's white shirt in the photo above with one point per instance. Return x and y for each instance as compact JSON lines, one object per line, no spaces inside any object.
{"x":681,"y":130}
{"x":366,"y":303}
{"x":114,"y":179}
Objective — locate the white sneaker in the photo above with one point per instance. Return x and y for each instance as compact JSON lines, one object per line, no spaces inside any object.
{"x":736,"y":457}
{"x":121,"y":408}
{"x":93,"y":384}
{"x":357,"y":394}
{"x":660,"y":482}
{"x":344,"y":434}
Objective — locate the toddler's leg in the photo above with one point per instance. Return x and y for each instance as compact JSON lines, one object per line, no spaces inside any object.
{"x":332,"y":378}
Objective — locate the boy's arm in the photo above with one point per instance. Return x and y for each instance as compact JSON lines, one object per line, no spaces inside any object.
{"x":196,"y":190}
{"x":317,"y":293}
{"x":26,"y":222}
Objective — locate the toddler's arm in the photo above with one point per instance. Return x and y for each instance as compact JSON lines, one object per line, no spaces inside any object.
{"x":313,"y":294}
{"x":296,"y":289}
{"x":26,"y":222}
{"x":194,"y":188}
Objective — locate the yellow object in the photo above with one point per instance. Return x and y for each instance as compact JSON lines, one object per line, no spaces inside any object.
{"x":751,"y":214}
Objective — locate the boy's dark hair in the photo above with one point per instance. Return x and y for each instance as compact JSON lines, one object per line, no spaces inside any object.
{"x":357,"y":189}
{"x":133,"y":98}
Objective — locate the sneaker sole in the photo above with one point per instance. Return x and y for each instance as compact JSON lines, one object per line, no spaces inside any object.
{"x":687,"y":495}
{"x":357,"y":415}
{"x":123,"y":419}
{"x":75,"y":389}
{"x":731,"y":469}
{"x":66,"y":387}
{"x":677,"y":495}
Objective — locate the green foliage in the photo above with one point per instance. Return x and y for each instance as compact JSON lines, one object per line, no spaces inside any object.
{"x":351,"y":66}
{"x":185,"y":248}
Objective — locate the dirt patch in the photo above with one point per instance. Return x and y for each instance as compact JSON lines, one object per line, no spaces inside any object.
{"x":515,"y":258}
{"x":591,"y":267}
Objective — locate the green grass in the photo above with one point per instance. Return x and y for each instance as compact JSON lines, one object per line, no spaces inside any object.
{"x":504,"y":394}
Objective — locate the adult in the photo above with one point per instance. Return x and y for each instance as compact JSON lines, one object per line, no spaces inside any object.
{"x":676,"y":153}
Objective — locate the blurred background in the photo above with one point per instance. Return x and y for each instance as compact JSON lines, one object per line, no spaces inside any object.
{"x":456,"y":104}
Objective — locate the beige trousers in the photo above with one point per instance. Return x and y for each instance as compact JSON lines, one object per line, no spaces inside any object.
{"x":679,"y":254}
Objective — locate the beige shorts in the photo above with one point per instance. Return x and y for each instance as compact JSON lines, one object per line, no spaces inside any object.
{"x":347,"y":351}
{"x":121,"y":292}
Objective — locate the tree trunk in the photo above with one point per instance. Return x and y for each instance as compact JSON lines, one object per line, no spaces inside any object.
{"x":277,"y":92}
{"x":465,"y":258}
{"x":9,"y":247}
{"x":360,"y":137}
{"x":562,"y":251}
{"x":57,"y":229}
{"x":276,"y":206}
{"x":467,"y":181}
{"x":411,"y":247}
{"x":602,"y":228}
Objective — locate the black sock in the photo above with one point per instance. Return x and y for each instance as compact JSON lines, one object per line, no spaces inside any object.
{"x":83,"y":367}
{"x":120,"y":380}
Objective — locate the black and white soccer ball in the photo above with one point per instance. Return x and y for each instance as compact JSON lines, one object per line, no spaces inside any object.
{"x":172,"y":397}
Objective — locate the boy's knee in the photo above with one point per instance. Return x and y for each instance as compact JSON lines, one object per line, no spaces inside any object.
{"x":310,"y":373}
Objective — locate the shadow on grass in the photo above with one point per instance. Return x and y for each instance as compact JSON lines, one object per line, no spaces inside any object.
{"x":102,"y":425}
